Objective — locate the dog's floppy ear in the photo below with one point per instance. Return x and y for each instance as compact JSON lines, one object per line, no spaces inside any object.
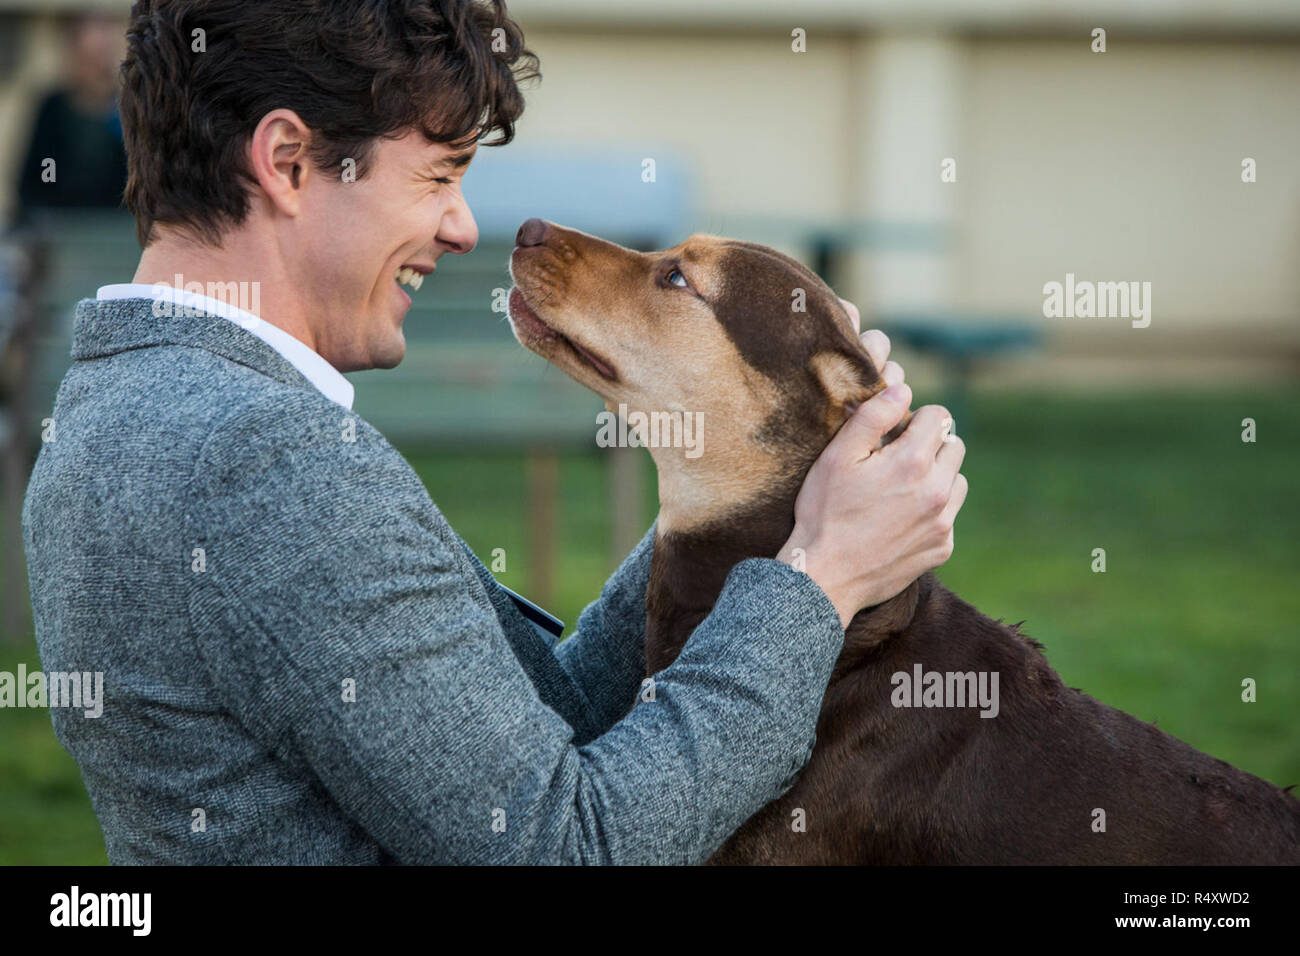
{"x":849,"y":379}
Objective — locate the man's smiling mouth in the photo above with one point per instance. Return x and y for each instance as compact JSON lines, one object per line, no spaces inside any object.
{"x":412,"y":275}
{"x":536,"y":329}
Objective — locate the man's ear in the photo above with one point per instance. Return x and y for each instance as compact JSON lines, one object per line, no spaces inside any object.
{"x":279,"y":157}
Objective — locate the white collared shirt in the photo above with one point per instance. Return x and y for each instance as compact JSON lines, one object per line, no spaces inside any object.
{"x":315,"y":369}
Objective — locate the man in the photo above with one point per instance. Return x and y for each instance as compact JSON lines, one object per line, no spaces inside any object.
{"x":303,"y":663}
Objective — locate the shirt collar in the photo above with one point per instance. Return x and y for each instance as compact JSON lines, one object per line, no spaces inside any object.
{"x":313,"y":367}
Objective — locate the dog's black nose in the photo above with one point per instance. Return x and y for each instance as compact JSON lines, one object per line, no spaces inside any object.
{"x":532,"y":233}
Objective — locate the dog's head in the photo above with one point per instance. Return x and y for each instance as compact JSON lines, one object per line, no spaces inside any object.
{"x":748,"y":341}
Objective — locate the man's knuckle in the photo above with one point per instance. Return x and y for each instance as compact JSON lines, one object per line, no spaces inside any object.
{"x":916,"y":463}
{"x":937,"y":491}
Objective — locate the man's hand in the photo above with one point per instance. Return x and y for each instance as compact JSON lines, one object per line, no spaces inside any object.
{"x":870,"y":520}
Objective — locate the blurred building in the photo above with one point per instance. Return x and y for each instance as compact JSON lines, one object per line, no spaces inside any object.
{"x":824,"y":127}
{"x":1114,"y":166}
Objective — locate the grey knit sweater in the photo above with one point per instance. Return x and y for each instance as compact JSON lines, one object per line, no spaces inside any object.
{"x":304,"y":663}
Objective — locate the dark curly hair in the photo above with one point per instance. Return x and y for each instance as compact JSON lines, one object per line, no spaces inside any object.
{"x":354,"y":70}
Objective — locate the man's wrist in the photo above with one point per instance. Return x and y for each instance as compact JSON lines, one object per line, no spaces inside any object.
{"x":799,"y":554}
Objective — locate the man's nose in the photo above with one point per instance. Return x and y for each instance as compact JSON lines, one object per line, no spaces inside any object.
{"x":534,"y":232}
{"x":457,"y":230}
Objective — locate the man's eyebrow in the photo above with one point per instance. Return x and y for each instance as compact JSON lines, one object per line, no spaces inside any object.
{"x":455,"y":160}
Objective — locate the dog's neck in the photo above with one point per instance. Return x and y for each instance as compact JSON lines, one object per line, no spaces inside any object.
{"x":723,"y":464}
{"x":692,"y":560}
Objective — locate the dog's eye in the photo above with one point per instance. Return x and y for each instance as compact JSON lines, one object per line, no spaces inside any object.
{"x":676,"y":278}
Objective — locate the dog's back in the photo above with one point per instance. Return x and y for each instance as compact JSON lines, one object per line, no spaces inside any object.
{"x":1055,"y":777}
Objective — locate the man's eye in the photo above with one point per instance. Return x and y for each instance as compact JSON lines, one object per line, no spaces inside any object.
{"x":676,"y":278}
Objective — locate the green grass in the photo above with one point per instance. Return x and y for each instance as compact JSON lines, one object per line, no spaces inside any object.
{"x":1200,"y":590}
{"x":45,"y":815}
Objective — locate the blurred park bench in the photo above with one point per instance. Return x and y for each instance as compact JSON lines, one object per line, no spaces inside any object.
{"x":465,"y":383}
{"x":961,"y":341}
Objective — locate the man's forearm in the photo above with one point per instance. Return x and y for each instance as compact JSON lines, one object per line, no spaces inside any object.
{"x":603,"y":661}
{"x":605,"y":658}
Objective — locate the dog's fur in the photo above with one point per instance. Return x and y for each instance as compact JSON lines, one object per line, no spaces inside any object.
{"x":885,"y":784}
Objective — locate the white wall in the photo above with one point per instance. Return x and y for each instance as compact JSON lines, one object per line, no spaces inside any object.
{"x":1122,"y":165}
{"x":764,"y":127}
{"x":1127,"y":165}
{"x":1114,"y":166}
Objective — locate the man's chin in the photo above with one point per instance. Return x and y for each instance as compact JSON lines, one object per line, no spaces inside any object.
{"x":391,"y":354}
{"x":381,"y":355}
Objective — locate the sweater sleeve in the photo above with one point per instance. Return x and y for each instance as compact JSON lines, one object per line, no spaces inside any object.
{"x":602,"y":662}
{"x":345,"y":631}
{"x":605,"y":656}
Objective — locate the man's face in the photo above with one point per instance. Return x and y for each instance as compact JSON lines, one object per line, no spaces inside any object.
{"x":354,"y":237}
{"x":96,"y":48}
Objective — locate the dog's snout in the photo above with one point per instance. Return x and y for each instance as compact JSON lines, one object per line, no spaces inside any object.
{"x":532,"y":233}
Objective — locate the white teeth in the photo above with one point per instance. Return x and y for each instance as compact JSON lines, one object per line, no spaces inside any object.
{"x":408,"y":276}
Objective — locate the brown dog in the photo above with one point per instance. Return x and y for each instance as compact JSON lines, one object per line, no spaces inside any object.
{"x":905,"y":770}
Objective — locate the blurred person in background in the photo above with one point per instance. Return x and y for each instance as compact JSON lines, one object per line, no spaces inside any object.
{"x":77,"y":125}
